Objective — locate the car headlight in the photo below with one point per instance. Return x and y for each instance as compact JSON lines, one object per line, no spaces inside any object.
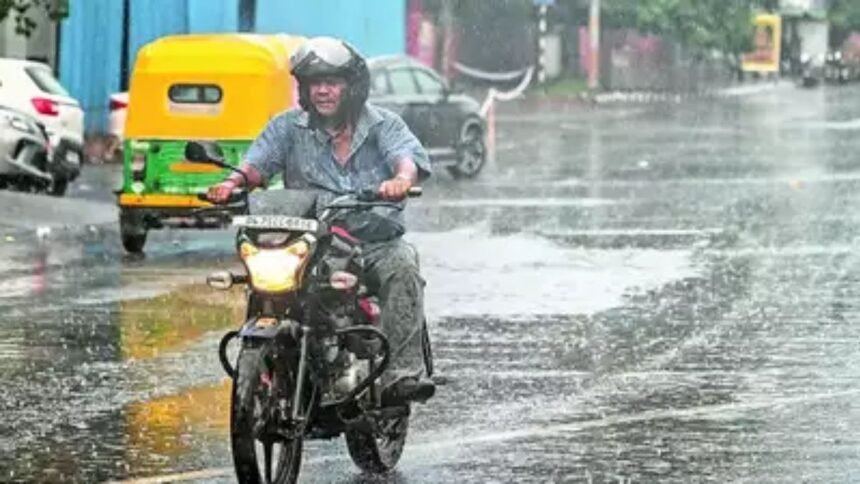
{"x":21,"y":124}
{"x":274,"y":270}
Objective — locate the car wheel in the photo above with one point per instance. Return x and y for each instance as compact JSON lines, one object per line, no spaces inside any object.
{"x":471,"y":153}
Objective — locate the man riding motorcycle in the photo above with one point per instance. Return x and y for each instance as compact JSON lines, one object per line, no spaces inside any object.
{"x":338,"y":142}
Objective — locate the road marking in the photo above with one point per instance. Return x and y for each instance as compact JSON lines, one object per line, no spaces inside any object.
{"x":478,"y":439}
{"x":703,"y":412}
{"x":848,"y":125}
{"x":632,"y":232}
{"x":525,"y":202}
{"x":183,"y":476}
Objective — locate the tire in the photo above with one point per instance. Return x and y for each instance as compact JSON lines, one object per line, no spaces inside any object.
{"x":378,"y":453}
{"x":132,"y":232}
{"x":133,"y":243}
{"x":245,"y":407}
{"x":58,"y":188}
{"x":471,"y":153}
{"x":427,"y":351}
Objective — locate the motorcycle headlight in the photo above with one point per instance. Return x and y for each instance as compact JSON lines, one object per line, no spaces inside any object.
{"x":275,"y":270}
{"x":19,"y":123}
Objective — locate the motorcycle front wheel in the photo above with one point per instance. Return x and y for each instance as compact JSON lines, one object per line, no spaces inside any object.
{"x":259,"y":455}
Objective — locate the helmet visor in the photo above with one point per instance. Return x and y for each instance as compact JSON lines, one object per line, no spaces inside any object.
{"x":320,"y":52}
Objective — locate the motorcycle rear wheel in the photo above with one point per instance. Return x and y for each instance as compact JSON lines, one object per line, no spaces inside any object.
{"x":58,"y":187}
{"x":378,"y":452}
{"x":254,"y":460}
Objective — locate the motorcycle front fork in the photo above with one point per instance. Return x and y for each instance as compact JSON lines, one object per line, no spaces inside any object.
{"x":301,"y":375}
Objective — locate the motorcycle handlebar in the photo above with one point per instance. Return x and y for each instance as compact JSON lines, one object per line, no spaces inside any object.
{"x":372,"y":195}
{"x":367,"y":196}
{"x":235,"y":197}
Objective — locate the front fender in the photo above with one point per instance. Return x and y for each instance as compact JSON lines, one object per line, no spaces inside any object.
{"x":254,"y":329}
{"x":257,"y":327}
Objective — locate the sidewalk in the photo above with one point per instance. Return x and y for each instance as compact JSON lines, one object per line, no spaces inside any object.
{"x":748,"y":88}
{"x":534,"y":101}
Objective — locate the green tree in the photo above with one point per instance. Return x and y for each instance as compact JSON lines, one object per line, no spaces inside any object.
{"x":698,"y":25}
{"x":844,"y":16}
{"x":22,"y":11}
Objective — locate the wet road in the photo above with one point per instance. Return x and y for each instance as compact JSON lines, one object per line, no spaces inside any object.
{"x":630,"y":294}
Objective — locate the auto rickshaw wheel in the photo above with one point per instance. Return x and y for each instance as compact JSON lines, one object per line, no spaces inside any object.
{"x":133,"y":243}
{"x":132,"y":231}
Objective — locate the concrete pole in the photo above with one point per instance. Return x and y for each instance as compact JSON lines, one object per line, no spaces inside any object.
{"x":594,"y":37}
{"x":491,"y":128}
{"x":541,"y":77}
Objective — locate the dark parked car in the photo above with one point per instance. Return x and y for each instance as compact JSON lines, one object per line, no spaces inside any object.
{"x":449,"y":124}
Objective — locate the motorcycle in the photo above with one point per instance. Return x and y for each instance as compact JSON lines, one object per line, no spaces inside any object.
{"x":311,"y":352}
{"x":811,"y":71}
{"x":836,"y":71}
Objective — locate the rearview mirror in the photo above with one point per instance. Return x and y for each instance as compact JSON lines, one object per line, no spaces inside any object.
{"x":222,"y":280}
{"x":204,"y":152}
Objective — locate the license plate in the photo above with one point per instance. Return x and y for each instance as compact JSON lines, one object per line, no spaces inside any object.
{"x":73,"y":157}
{"x":276,"y":222}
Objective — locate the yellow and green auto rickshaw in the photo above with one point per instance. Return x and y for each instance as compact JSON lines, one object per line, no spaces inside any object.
{"x":219,"y":87}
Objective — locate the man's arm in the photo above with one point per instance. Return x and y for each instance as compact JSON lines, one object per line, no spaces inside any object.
{"x":406,"y":169}
{"x":407,"y":158}
{"x":406,"y":176}
{"x":255,"y":179}
{"x":265,"y":157}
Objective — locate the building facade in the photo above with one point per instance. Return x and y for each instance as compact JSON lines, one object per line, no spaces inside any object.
{"x":806,"y":31}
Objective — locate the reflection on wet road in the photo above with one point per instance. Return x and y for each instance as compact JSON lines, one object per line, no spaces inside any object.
{"x":629,"y":294}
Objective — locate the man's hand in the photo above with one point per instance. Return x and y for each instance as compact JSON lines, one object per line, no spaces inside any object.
{"x":396,"y":188}
{"x":221,"y":192}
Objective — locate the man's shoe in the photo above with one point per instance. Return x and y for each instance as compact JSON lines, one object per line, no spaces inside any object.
{"x":409,"y":389}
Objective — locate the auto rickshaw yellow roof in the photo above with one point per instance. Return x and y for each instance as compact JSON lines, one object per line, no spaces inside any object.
{"x":226,"y":52}
{"x":250,"y":71}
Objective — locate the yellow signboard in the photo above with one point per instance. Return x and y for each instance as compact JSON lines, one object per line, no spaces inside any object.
{"x":766,"y":45}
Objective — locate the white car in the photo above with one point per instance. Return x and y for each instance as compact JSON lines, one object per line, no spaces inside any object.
{"x":32,"y":88}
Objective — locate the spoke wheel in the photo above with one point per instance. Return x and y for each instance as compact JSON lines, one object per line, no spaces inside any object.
{"x":259,"y":454}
